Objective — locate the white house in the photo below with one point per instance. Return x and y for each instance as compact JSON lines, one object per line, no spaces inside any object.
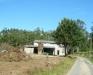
{"x":49,"y":47}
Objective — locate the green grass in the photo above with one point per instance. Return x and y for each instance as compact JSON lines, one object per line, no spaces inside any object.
{"x":91,"y":59}
{"x":86,"y":55}
{"x":59,"y":69}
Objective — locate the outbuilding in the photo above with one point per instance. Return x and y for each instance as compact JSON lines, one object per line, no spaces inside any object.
{"x":43,"y":47}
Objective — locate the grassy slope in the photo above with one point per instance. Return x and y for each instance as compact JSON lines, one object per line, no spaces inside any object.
{"x":86,"y":55}
{"x":91,"y":59}
{"x":59,"y":69}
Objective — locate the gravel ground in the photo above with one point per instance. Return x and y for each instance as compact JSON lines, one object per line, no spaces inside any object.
{"x":82,"y":66}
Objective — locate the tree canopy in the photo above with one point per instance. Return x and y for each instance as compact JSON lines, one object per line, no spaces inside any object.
{"x":69,"y":33}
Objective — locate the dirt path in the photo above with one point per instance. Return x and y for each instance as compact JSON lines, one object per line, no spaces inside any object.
{"x":81,"y":67}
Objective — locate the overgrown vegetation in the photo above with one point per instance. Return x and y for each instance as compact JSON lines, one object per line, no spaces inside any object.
{"x":58,"y":69}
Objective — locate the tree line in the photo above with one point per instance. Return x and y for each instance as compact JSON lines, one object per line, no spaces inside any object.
{"x":18,"y":38}
{"x":71,"y":33}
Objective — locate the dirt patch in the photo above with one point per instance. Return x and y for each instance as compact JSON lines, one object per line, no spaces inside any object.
{"x":26,"y":67}
{"x":13,"y":54}
{"x":15,"y":62}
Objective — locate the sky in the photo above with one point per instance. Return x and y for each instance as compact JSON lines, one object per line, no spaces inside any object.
{"x":45,"y":14}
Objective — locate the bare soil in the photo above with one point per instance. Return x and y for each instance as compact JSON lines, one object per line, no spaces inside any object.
{"x":24,"y":67}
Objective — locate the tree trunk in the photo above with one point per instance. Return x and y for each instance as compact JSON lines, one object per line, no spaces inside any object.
{"x":65,"y":49}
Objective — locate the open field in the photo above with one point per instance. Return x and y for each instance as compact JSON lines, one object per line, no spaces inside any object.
{"x":37,"y":65}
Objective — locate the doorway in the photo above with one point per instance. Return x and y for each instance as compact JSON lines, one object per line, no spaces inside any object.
{"x":36,"y":50}
{"x":48,"y":50}
{"x":57,"y":52}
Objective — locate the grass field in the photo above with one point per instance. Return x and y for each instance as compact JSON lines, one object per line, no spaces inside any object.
{"x":59,"y":69}
{"x":38,"y":65}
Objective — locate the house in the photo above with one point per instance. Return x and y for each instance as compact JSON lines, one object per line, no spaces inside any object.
{"x":43,"y":47}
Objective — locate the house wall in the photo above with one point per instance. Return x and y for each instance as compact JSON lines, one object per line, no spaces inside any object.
{"x":36,"y":44}
{"x":59,"y":49}
{"x":29,"y":50}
